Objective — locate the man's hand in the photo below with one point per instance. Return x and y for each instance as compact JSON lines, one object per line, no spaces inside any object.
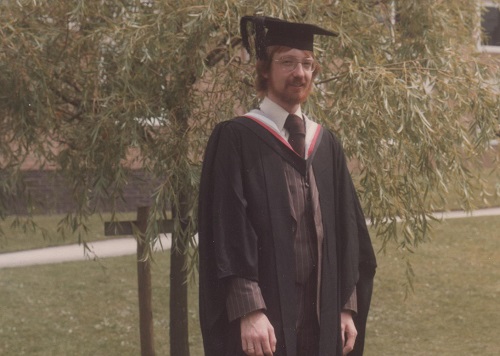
{"x":257,"y":334}
{"x":348,"y":330}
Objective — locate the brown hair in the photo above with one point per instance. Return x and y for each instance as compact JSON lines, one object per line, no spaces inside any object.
{"x":263,"y":66}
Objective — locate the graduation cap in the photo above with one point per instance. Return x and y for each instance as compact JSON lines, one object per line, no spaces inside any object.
{"x":270,"y":31}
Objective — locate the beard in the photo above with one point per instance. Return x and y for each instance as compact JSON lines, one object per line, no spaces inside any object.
{"x":294,"y":91}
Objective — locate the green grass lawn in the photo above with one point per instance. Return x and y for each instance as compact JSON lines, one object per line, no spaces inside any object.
{"x":455,"y":309}
{"x":83,"y":308}
{"x":90,"y":308}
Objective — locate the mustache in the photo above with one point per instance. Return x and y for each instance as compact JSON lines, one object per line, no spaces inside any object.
{"x":298,"y":83}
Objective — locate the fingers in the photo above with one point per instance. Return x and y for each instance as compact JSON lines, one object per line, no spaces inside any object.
{"x":349,"y":344}
{"x":254,"y":349}
{"x":262,"y":348}
{"x":272,"y":340}
{"x":348,"y":331}
{"x":257,"y":335}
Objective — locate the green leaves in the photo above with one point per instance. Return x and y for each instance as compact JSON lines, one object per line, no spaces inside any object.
{"x":95,"y":87}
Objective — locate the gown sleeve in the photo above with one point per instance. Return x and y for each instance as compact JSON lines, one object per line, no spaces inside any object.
{"x":227,"y":242}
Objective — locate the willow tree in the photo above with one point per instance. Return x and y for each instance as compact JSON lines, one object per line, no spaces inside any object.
{"x":88,"y":86}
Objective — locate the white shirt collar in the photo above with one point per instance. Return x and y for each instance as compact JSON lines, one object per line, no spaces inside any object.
{"x":276,"y":113}
{"x":274,"y":117}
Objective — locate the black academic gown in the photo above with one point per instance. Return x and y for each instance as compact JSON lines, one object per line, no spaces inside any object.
{"x":245,"y":230}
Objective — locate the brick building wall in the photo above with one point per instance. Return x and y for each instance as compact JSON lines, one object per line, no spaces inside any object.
{"x":49,"y":192}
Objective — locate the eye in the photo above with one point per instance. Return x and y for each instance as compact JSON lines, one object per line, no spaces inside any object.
{"x":307,"y":65}
{"x":288,"y":63}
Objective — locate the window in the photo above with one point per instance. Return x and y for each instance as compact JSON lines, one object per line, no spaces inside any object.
{"x":490,"y":25}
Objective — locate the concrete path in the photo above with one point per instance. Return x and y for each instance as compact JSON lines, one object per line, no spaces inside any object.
{"x":127,"y":246}
{"x":98,"y":249}
{"x":462,"y":214}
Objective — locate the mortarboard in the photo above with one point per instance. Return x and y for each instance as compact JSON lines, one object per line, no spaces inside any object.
{"x":270,"y":31}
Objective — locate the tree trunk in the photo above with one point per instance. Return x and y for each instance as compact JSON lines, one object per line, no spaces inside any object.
{"x":179,"y":332}
{"x":144,"y":288}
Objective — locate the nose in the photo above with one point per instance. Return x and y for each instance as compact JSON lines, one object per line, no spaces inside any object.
{"x":299,"y":70}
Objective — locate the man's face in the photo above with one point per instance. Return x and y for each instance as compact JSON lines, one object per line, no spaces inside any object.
{"x":289,"y":88}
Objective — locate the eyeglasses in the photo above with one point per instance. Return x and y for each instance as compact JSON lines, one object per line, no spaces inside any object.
{"x":289,"y":64}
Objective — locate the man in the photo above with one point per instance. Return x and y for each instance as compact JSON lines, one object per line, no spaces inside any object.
{"x":286,"y":262}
